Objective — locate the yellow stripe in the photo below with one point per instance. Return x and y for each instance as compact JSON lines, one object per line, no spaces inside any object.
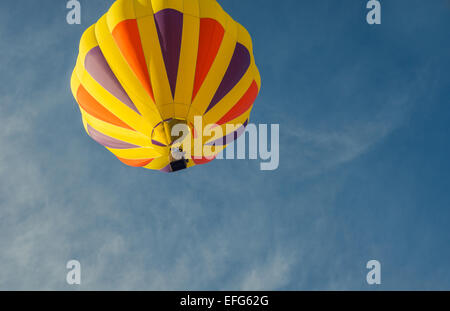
{"x":181,"y":111}
{"x":125,"y":74}
{"x":156,"y":65}
{"x":245,"y":39}
{"x":188,"y":59}
{"x":74,"y":83}
{"x":191,"y":8}
{"x":85,"y":124}
{"x":143,"y":8}
{"x":87,"y":42}
{"x":212,"y":9}
{"x":231,"y":99}
{"x":137,"y":153}
{"x":159,"y":5}
{"x":120,"y":11}
{"x":236,"y":123}
{"x":158,"y":163}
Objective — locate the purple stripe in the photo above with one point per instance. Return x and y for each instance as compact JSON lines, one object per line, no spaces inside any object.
{"x":169,"y":24}
{"x":167,"y":169}
{"x":107,"y":141}
{"x":236,"y":70}
{"x":157,"y":143}
{"x":230,"y":137}
{"x":98,"y":68}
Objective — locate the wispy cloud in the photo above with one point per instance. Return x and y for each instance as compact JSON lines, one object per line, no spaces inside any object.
{"x":223,"y":226}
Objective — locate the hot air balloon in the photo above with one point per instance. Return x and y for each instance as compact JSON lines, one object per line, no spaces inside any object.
{"x":148,"y":66}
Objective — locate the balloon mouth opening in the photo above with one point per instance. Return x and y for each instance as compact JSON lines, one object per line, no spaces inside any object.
{"x":169,"y":132}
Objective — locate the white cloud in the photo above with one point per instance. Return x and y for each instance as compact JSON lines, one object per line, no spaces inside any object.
{"x":273,"y":275}
{"x":62,"y":197}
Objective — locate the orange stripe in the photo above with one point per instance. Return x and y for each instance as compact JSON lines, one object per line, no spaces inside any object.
{"x":126,"y":34}
{"x":211,"y":36}
{"x":95,"y":109}
{"x":242,"y":106}
{"x":136,"y":163}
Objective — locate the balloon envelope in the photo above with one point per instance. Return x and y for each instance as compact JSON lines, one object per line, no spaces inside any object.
{"x":148,"y":66}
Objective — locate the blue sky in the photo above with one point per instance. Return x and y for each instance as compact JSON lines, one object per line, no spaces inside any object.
{"x":364,"y":124}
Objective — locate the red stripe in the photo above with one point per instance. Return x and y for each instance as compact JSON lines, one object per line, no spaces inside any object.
{"x":211,"y":36}
{"x":203,"y":160}
{"x":242,"y":106}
